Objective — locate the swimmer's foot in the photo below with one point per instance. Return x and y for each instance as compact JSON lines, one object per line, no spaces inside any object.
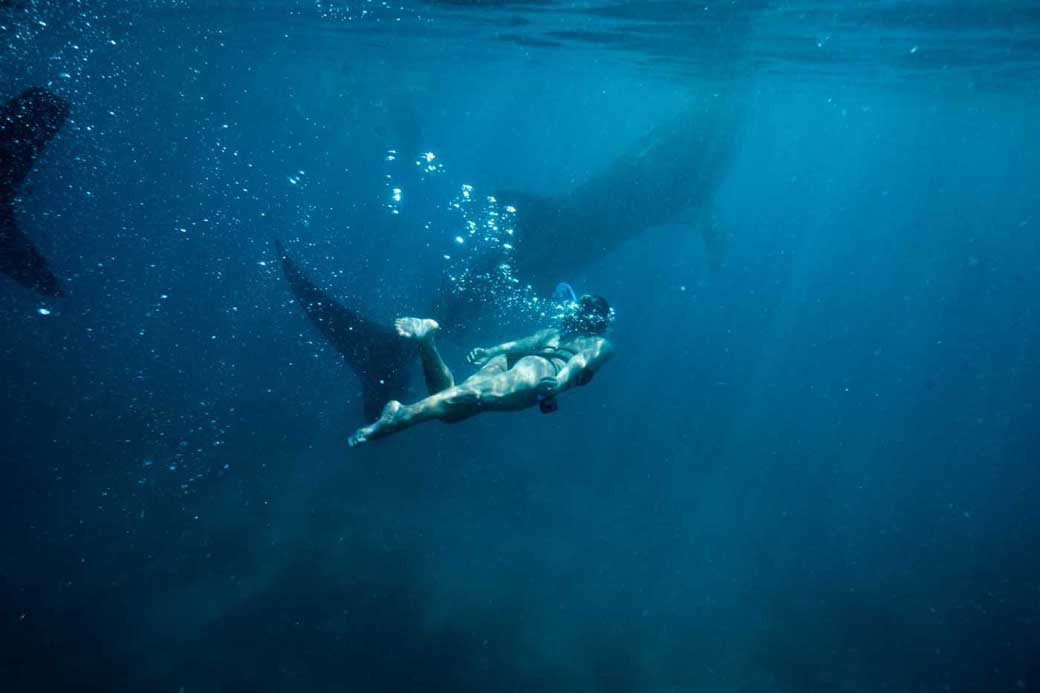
{"x":418,"y":329}
{"x":384,"y":425}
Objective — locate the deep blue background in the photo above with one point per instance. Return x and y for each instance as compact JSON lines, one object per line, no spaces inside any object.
{"x":811,"y":470}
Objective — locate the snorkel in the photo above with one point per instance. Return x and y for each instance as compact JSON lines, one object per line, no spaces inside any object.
{"x":563,"y":291}
{"x":590,"y":316}
{"x":565,"y":301}
{"x":567,"y":306}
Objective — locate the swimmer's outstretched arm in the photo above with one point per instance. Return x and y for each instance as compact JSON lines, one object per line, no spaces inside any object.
{"x":536,"y":341}
{"x":582,"y":365}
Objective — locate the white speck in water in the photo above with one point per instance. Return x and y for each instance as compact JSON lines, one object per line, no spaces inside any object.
{"x":914,"y":49}
{"x":511,"y":209}
{"x":43,"y":311}
{"x":429,"y":156}
{"x":460,"y":239}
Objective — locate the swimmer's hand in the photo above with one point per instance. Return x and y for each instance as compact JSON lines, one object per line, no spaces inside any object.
{"x":479,"y":356}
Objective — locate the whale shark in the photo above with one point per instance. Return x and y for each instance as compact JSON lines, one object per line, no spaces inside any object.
{"x":378,"y":356}
{"x":670,"y":177}
{"x":27,"y":123}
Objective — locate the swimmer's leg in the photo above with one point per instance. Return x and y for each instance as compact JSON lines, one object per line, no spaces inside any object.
{"x":516,"y":388}
{"x":461,"y":402}
{"x":436,"y":373}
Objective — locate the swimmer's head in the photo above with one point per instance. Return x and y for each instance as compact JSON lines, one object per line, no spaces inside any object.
{"x":591,"y":315}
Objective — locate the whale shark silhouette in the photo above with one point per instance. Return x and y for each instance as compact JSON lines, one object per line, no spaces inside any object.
{"x":27,"y":123}
{"x":670,"y":177}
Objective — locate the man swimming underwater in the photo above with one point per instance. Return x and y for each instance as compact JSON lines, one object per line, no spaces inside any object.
{"x":515,"y":375}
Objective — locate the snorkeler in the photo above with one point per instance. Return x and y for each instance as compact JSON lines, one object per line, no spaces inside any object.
{"x":512,"y":376}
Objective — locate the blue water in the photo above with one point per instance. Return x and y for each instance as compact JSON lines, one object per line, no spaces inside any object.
{"x":810,"y":468}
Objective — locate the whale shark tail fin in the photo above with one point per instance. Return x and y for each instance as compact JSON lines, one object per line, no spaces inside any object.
{"x":27,"y":123}
{"x":375,"y":353}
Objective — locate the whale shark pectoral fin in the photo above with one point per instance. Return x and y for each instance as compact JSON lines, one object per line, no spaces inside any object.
{"x":27,"y":123}
{"x":20,"y":260}
{"x":374,"y":352}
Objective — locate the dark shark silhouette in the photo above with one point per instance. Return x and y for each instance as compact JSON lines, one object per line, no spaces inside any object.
{"x":27,"y":124}
{"x":375,"y":352}
{"x":671,"y":176}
